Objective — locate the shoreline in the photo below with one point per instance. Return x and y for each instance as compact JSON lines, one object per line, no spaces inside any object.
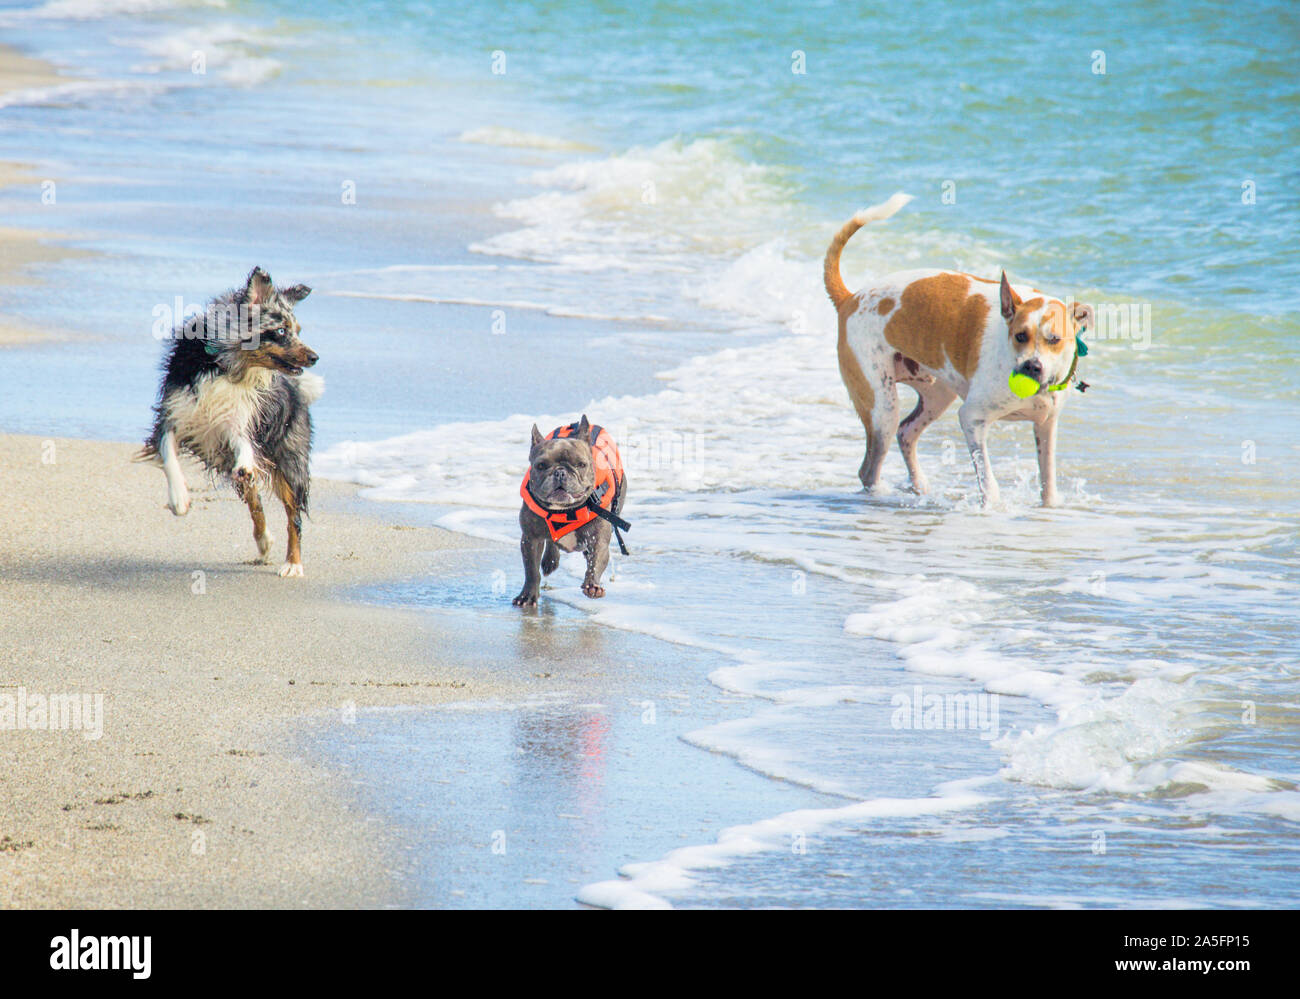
{"x":21,"y":249}
{"x":194,"y":795}
{"x":19,"y":72}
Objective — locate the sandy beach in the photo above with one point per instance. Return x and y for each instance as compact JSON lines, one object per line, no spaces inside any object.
{"x":187,"y":798}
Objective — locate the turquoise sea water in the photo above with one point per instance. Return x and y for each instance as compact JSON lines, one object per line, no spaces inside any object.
{"x":622,"y":208}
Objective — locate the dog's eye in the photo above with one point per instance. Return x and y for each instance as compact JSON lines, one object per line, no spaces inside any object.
{"x":1053,"y":339}
{"x":1022,"y":338}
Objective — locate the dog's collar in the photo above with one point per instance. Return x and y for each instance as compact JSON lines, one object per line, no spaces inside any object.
{"x":1080,"y":350}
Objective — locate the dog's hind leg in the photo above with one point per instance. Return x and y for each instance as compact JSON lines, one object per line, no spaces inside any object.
{"x":550,"y":558}
{"x":875,"y":398}
{"x":880,"y":430}
{"x":260,"y":534}
{"x":932,"y":400}
{"x":293,"y":512}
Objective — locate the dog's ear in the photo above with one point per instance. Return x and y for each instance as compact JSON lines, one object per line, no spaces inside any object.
{"x":1083,"y":315}
{"x":295,"y":294}
{"x":537,"y":436}
{"x":259,"y":287}
{"x":1010,"y":300}
{"x":584,"y":428}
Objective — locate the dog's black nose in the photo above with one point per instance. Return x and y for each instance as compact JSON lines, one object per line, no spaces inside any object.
{"x":1033,"y":368}
{"x":312,"y":357}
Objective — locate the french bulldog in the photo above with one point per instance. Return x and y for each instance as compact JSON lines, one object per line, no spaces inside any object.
{"x":573,"y":495}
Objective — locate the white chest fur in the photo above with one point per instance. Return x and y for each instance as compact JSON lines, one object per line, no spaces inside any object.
{"x":215,"y":416}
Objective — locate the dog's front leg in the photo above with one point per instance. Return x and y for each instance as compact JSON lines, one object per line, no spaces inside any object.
{"x":178,"y":493}
{"x":531,"y":547}
{"x":245,"y":471}
{"x":975,"y":427}
{"x":1045,"y":438}
{"x":597,"y":552}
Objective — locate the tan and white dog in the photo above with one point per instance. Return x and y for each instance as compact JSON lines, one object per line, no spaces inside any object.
{"x":949,"y":335}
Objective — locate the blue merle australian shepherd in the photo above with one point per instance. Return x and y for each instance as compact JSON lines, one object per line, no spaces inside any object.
{"x":234,"y":395}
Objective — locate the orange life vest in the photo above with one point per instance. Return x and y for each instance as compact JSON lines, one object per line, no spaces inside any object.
{"x":608,"y":467}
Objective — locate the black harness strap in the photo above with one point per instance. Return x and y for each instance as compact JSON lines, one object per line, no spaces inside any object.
{"x":614,"y":519}
{"x":592,"y":504}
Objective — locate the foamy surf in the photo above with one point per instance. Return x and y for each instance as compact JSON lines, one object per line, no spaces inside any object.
{"x":510,"y":138}
{"x":644,"y":886}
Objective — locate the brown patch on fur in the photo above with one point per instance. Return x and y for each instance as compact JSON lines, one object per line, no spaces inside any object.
{"x":254,"y":502}
{"x":277,"y":358}
{"x":861,"y":393}
{"x":293,"y":554}
{"x":886,"y":304}
{"x":908,"y":372}
{"x":940,"y":320}
{"x":1060,"y":326}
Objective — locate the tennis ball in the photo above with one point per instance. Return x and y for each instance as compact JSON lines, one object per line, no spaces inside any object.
{"x":1022,"y":385}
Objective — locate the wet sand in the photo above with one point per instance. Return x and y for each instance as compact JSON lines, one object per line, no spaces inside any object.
{"x":22,"y":250}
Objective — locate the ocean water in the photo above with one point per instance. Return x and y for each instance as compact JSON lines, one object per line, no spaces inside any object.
{"x":621,"y":210}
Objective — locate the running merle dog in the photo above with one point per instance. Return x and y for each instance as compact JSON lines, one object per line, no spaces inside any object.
{"x":234,"y":395}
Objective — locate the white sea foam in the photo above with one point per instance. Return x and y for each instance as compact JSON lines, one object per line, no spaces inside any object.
{"x":646,"y":885}
{"x":563,"y":311}
{"x":497,"y":135}
{"x":81,"y":91}
{"x":237,"y":54}
{"x":90,"y":10}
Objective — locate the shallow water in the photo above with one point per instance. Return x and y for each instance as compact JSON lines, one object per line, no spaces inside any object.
{"x":629,"y":221}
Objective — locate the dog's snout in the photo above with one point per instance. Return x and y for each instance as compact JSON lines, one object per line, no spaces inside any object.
{"x":1033,"y":368}
{"x":311,"y":358}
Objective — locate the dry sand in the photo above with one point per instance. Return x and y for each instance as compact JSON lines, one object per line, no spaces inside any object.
{"x":192,"y":797}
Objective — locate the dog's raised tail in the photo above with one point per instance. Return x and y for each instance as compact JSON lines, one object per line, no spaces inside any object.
{"x":835,"y":286}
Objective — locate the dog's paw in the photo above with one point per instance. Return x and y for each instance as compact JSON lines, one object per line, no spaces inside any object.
{"x":525,"y":599}
{"x":178,"y":501}
{"x":593,"y":590}
{"x":291,"y":569}
{"x":263,"y":545}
